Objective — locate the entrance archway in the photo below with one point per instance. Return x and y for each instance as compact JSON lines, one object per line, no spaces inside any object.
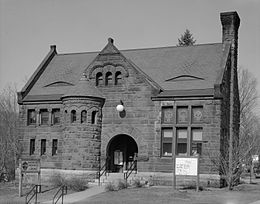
{"x":121,"y":152}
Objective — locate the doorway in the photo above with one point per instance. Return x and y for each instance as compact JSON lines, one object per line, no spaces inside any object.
{"x":121,"y":152}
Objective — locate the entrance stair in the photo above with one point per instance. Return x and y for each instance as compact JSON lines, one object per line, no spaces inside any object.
{"x":115,"y":177}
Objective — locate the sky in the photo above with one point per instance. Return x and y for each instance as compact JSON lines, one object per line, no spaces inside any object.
{"x":29,"y":27}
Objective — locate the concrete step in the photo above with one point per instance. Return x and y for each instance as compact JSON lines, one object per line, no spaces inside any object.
{"x":114,"y":177}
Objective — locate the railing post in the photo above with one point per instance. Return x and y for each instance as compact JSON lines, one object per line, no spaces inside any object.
{"x":36,"y":193}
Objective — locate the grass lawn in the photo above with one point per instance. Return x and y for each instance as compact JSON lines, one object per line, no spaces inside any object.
{"x":243,"y":194}
{"x":9,"y":193}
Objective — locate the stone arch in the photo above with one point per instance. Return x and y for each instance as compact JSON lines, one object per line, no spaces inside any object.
{"x":136,"y":134}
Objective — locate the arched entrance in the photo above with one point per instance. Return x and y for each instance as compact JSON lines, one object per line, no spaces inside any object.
{"x":121,"y":151}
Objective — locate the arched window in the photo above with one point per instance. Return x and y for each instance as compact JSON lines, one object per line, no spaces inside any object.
{"x":94,"y":117}
{"x":73,"y":116}
{"x":83,"y":116}
{"x":99,"y":79}
{"x":108,"y":78}
{"x":118,"y":78}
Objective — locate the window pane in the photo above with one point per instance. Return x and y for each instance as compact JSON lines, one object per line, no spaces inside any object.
{"x":44,"y":116}
{"x":167,"y":114}
{"x":54,"y":146}
{"x":32,"y":146}
{"x":84,"y":116}
{"x":167,"y":133}
{"x":118,"y":78}
{"x":197,"y":114}
{"x":196,"y":134}
{"x":31,"y":117}
{"x":182,"y":115}
{"x":99,"y":79}
{"x":43,"y":146}
{"x":56,"y":116}
{"x":108,"y":78}
{"x":196,"y":147}
{"x":94,"y":117}
{"x":73,"y":116}
{"x":182,"y":135}
{"x":167,"y":149}
{"x":182,"y":149}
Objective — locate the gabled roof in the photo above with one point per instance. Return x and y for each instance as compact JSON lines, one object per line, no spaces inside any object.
{"x":172,"y":68}
{"x":83,"y":89}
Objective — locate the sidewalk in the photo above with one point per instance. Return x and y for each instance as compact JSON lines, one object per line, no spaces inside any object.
{"x":256,"y":202}
{"x":75,"y":197}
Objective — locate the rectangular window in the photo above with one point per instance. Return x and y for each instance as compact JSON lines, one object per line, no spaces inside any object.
{"x":182,"y":139}
{"x":44,"y":116}
{"x":56,"y":116}
{"x":196,"y":114}
{"x":167,"y":134}
{"x":31,"y":120}
{"x":32,"y":146}
{"x":43,"y":146}
{"x":196,"y":134}
{"x":54,"y":147}
{"x":182,"y":115}
{"x":167,"y":115}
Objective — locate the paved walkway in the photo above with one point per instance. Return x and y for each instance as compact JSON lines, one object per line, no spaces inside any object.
{"x":256,"y":202}
{"x":78,"y":196}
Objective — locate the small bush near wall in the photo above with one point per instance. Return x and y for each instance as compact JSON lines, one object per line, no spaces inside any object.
{"x":121,"y":184}
{"x":57,"y":180}
{"x":73,"y":183}
{"x":77,"y":184}
{"x":110,"y":187}
{"x":138,"y":183}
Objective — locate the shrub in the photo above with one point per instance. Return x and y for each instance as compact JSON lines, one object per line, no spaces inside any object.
{"x":121,"y":185}
{"x":77,"y":184}
{"x":57,"y":180}
{"x":74,"y":183}
{"x":110,"y":187}
{"x":138,"y":183}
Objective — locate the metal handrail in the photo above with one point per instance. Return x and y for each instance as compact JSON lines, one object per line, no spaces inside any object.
{"x":130,"y":170}
{"x":63,"y":189}
{"x":35,"y":191}
{"x":102,"y":170}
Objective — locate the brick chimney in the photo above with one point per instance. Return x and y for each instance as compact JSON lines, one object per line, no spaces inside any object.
{"x":230,"y":23}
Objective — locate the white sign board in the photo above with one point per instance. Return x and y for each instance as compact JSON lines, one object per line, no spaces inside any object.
{"x":186,"y":166}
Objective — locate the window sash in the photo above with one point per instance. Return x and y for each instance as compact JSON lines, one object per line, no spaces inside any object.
{"x":54,"y":146}
{"x":83,"y":116}
{"x":44,"y":115}
{"x":43,"y":146}
{"x":31,"y":117}
{"x":56,"y":116}
{"x":32,"y":146}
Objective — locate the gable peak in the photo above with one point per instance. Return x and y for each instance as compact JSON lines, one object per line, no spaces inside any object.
{"x":109,"y":48}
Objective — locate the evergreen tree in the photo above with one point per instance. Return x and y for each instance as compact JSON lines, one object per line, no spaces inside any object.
{"x":186,"y":39}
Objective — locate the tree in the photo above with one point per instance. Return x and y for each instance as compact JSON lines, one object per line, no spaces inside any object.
{"x":9,"y":137}
{"x":186,"y":39}
{"x":249,"y":140}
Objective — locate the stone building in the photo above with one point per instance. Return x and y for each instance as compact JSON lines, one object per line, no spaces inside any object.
{"x":173,"y":100}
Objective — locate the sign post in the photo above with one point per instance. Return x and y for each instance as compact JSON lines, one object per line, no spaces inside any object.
{"x":186,"y":166}
{"x":29,"y":166}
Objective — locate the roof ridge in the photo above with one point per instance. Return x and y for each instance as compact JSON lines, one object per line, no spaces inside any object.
{"x":133,"y":49}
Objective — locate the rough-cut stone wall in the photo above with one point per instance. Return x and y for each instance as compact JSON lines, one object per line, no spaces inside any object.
{"x":211,"y":134}
{"x":78,"y":143}
{"x":81,"y":141}
{"x":39,"y":132}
